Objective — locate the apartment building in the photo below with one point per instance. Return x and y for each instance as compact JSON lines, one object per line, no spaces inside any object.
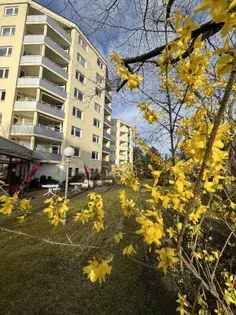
{"x":54,"y":90}
{"x":122,"y":142}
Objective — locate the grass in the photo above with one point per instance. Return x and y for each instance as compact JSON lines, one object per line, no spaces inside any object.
{"x":39,"y":278}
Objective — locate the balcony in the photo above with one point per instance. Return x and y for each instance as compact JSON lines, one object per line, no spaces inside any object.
{"x":107,"y":135}
{"x":106,"y":150}
{"x":44,"y":108}
{"x":108,"y":108}
{"x":45,"y":155}
{"x":107,"y":122}
{"x":45,"y":40}
{"x":45,"y":62}
{"x":108,"y":97}
{"x":38,"y":130}
{"x":36,"y":82}
{"x":44,"y":19}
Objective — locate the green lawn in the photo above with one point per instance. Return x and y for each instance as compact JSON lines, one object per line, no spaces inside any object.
{"x":39,"y":278}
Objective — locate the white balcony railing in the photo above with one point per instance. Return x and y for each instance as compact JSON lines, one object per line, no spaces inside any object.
{"x":41,"y":39}
{"x":24,"y":105}
{"x":38,"y":130}
{"x":45,"y":154}
{"x":44,"y":19}
{"x":40,"y":60}
{"x":36,"y":82}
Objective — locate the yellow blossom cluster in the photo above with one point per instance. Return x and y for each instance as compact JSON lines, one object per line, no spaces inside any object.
{"x":133,"y":79}
{"x":126,"y":176}
{"x":8,"y":205}
{"x":129,"y":250}
{"x":230,"y":290}
{"x":151,"y":227}
{"x":148,"y":114}
{"x":56,"y":210}
{"x":95,"y":211}
{"x":222,"y":11}
{"x":97,"y":270}
{"x":167,"y":258}
{"x":127,"y":205}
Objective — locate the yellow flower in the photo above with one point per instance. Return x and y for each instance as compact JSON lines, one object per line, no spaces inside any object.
{"x":118,"y":237}
{"x":148,"y":114}
{"x":98,"y":270}
{"x":134,"y":81}
{"x":129,"y":250}
{"x":168,"y":258}
{"x":127,"y":205}
{"x":57,"y":210}
{"x":152,"y":232}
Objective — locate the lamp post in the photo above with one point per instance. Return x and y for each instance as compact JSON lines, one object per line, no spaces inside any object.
{"x":68,"y":154}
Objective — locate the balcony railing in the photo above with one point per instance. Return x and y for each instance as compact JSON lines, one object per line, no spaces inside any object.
{"x":108,"y":97}
{"x":36,"y":82}
{"x":108,"y":108}
{"x":106,"y":150}
{"x":44,"y":19}
{"x":38,"y":130}
{"x":45,"y":108}
{"x":45,"y":155}
{"x":107,"y":135}
{"x":41,"y":39}
{"x":107,"y":122}
{"x":40,"y":60}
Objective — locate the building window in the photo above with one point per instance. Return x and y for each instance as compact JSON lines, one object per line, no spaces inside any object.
{"x":11,"y":11}
{"x":76,"y":171}
{"x":76,"y":132}
{"x":94,"y":155}
{"x":55,"y":149}
{"x":98,"y":92}
{"x":5,"y":51}
{"x":77,"y":112}
{"x":2,"y":95}
{"x":8,"y":31}
{"x":79,"y":76}
{"x":70,"y":171}
{"x":95,"y":139}
{"x":81,"y":60}
{"x":83,"y":43}
{"x":99,"y":63}
{"x":78,"y":94}
{"x":99,"y":79}
{"x":97,"y":108}
{"x":96,"y":123}
{"x":77,"y":151}
{"x":4,"y":72}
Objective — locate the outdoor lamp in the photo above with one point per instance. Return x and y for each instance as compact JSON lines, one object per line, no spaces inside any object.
{"x":68,"y":154}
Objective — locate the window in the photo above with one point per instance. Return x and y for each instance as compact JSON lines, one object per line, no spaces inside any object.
{"x":99,"y":79}
{"x":83,"y":43}
{"x":94,"y":155}
{"x":76,"y":132}
{"x":8,"y":31}
{"x":11,"y":11}
{"x":79,"y":76}
{"x":97,"y":107}
{"x":96,"y":123}
{"x":5,"y":51}
{"x":2,"y":95}
{"x":4,"y":73}
{"x":55,"y":149}
{"x":76,"y":171}
{"x":95,"y":139}
{"x":99,"y":63}
{"x":70,"y":171}
{"x":81,"y":60}
{"x":78,"y":94}
{"x":77,"y":151}
{"x":77,"y":112}
{"x":98,"y":92}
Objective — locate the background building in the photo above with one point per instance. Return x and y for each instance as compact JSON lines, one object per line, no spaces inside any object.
{"x":53,"y":89}
{"x":122,"y":142}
